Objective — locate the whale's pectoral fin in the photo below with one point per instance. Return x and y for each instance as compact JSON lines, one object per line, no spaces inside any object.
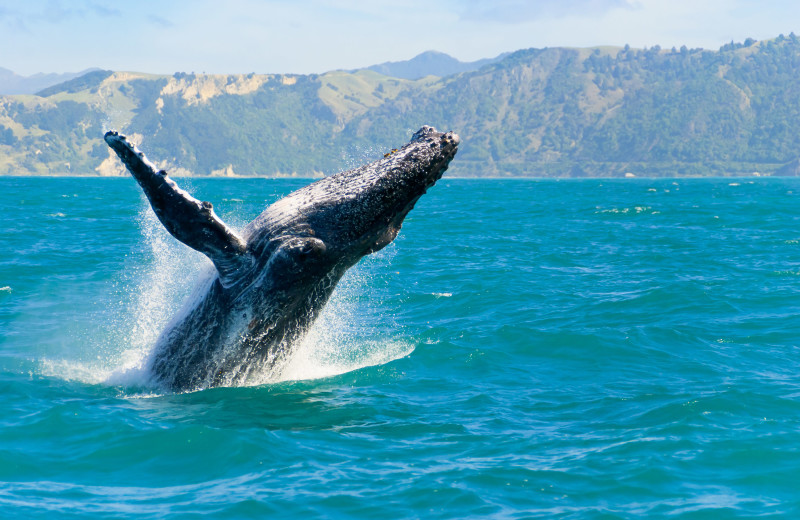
{"x":189,"y":220}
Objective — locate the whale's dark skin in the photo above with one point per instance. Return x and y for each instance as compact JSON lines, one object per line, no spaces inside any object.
{"x":272,"y":280}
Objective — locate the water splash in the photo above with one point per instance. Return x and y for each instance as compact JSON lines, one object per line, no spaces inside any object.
{"x":352,"y":331}
{"x":141,"y":301}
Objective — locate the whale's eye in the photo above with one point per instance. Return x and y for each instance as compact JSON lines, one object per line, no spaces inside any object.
{"x":301,"y":250}
{"x":298,"y":257}
{"x":307,"y":246}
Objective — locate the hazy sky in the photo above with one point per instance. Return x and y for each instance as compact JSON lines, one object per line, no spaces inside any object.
{"x":294,"y":36}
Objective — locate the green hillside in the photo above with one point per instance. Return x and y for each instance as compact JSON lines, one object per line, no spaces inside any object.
{"x":537,"y":112}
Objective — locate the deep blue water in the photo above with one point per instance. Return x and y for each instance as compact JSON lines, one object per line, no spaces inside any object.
{"x":525,"y":349}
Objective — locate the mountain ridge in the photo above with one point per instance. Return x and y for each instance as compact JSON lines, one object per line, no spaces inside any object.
{"x":12,"y":83}
{"x":552,"y":112}
{"x":430,"y":63}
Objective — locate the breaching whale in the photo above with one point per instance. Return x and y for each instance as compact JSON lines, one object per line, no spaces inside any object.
{"x":273,"y":278}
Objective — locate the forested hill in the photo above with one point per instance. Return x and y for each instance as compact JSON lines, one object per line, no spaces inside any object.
{"x":536,"y":112}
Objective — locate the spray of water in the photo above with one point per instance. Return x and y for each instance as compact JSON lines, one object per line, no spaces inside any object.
{"x":152,"y":298}
{"x":352,"y":332}
{"x":137,"y":306}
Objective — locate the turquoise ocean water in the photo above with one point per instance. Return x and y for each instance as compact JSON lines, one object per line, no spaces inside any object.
{"x":525,"y":349}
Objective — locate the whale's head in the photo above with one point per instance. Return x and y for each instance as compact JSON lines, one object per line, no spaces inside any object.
{"x":361,"y":211}
{"x":330,"y":224}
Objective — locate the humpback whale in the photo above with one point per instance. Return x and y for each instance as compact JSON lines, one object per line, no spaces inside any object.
{"x":272,"y":279}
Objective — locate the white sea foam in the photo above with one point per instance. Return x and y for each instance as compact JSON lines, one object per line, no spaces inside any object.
{"x":624,"y":211}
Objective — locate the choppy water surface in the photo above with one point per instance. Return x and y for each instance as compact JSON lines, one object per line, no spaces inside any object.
{"x":525,"y":349}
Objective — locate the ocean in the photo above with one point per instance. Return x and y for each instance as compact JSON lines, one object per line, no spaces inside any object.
{"x":588,"y":349}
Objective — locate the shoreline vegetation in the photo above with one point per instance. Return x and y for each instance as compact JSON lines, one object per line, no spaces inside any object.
{"x":541,"y":113}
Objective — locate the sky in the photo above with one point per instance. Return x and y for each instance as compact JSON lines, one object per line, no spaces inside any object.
{"x":315,"y":36}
